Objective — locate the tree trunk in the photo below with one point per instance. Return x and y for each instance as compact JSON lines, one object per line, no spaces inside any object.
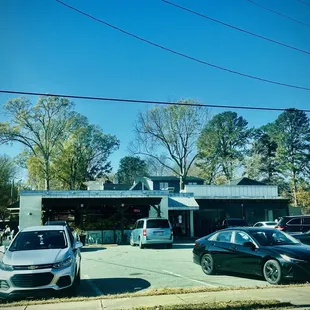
{"x":182,"y":178}
{"x":295,"y":189}
{"x":47,"y":174}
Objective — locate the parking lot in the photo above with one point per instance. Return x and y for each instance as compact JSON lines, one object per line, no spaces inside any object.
{"x":121,"y":269}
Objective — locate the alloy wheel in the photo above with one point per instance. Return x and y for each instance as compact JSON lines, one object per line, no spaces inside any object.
{"x":272,"y":272}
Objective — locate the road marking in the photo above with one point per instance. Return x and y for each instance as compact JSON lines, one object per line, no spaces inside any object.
{"x":193,"y":280}
{"x":93,"y":285}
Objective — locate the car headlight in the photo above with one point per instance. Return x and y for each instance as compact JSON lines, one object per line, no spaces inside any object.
{"x":65,"y":263}
{"x":6,"y":267}
{"x":291,"y":259}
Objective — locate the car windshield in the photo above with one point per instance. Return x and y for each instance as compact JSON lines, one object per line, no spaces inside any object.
{"x":157,"y":224}
{"x":273,"y":237}
{"x":237,"y":222}
{"x":39,"y":240}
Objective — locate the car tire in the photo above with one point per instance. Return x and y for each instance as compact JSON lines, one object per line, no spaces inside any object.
{"x":272,"y":272}
{"x":141,"y":245}
{"x":207,"y":264}
{"x":169,"y":245}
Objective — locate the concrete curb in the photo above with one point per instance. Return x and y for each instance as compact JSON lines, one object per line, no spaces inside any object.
{"x":298,"y":296}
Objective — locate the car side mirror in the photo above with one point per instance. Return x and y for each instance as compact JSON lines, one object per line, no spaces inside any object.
{"x":250,"y":245}
{"x":3,"y":249}
{"x":78,"y":245}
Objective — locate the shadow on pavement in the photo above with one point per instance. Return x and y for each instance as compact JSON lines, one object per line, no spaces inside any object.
{"x":92,"y":249}
{"x":92,"y":287}
{"x":183,"y":245}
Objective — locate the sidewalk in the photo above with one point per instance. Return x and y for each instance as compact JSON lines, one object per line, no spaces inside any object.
{"x":298,"y":296}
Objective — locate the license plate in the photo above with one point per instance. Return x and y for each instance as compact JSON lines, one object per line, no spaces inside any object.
{"x":159,"y":233}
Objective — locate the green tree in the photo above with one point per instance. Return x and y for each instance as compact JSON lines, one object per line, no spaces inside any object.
{"x":84,"y":155}
{"x":131,"y":167}
{"x":262,"y":163}
{"x":40,"y":127}
{"x":222,"y":144}
{"x":169,"y":134}
{"x":291,"y":132}
{"x":7,"y":189}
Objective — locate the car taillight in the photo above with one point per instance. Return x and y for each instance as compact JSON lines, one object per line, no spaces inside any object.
{"x":144,"y":232}
{"x":196,"y":244}
{"x":280,"y":227}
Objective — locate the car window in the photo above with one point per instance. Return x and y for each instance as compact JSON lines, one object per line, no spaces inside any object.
{"x":242,"y":237}
{"x":271,"y":223}
{"x":223,"y":236}
{"x":71,"y":237}
{"x":273,"y":237}
{"x":295,"y":221}
{"x":306,"y":220}
{"x":39,"y":240}
{"x":140,"y":224}
{"x":157,"y":224}
{"x":258,"y":225}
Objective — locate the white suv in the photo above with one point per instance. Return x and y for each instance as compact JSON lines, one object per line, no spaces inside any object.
{"x":39,"y":260}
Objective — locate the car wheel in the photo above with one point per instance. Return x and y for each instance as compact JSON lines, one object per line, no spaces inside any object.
{"x":141,"y":245}
{"x":272,"y":272}
{"x":207,"y":264}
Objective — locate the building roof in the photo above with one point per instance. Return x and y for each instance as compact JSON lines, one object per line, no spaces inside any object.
{"x":245,"y":181}
{"x":119,"y":187}
{"x":174,"y":178}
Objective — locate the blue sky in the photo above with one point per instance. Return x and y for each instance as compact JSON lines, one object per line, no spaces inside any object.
{"x":46,"y":47}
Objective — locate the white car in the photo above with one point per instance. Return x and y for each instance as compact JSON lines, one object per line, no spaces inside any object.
{"x":40,"y":260}
{"x":266,"y":224}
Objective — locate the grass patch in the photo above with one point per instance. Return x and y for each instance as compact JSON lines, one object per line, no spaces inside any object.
{"x":151,"y":292}
{"x":236,"y":305}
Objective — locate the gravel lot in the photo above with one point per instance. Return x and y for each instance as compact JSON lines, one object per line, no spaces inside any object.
{"x":121,"y":269}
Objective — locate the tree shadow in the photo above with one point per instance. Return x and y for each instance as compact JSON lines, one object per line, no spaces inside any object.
{"x":93,"y":287}
{"x":92,"y":249}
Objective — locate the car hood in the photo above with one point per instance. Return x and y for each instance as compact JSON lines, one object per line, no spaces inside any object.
{"x":298,"y":251}
{"x":34,"y":257}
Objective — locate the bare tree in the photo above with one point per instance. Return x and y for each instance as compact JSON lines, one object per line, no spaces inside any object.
{"x":169,"y":135}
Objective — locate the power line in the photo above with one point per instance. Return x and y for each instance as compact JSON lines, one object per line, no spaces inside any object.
{"x":146,"y":101}
{"x":278,"y":13}
{"x":182,"y":54}
{"x":304,"y":2}
{"x":236,"y":28}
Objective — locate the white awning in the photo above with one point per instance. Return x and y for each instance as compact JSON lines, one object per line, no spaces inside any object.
{"x":182,"y":203}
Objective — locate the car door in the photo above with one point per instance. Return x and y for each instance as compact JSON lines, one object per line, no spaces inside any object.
{"x":245,"y":259}
{"x":294,"y":225}
{"x":138,"y":230}
{"x":305,"y":224}
{"x":76,"y":252}
{"x":221,"y":249}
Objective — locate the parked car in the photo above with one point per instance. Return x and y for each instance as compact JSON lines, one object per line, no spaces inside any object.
{"x":39,"y":260}
{"x":265,"y":224}
{"x":266,"y":252}
{"x":231,"y":222}
{"x":294,"y":223}
{"x":303,"y":237}
{"x":148,"y":231}
{"x":59,"y":223}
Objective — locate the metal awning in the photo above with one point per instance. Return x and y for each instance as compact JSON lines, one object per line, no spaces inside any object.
{"x":182,"y":203}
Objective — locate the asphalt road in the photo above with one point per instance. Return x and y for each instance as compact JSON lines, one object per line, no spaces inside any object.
{"x":121,"y":269}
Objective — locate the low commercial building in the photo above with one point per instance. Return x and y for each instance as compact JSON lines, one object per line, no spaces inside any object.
{"x":194,"y":211}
